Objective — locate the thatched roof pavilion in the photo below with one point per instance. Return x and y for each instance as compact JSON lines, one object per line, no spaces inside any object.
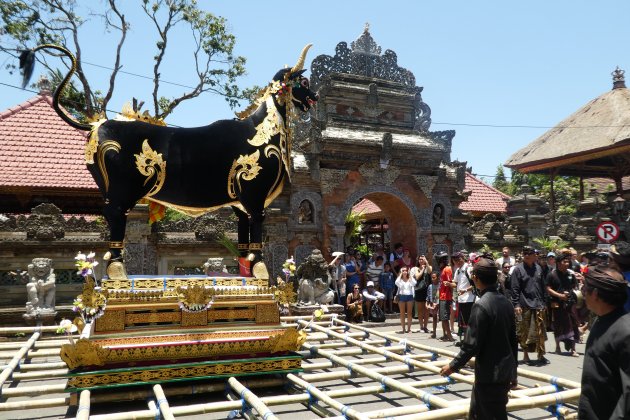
{"x":592,"y":142}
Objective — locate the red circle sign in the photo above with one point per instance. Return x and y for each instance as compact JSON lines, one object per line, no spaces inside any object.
{"x":608,"y":232}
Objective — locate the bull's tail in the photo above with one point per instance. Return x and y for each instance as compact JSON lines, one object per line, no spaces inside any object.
{"x":27,"y":63}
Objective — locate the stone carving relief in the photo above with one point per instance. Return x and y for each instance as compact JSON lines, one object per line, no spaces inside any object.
{"x":304,"y":205}
{"x":374,"y":174}
{"x":305,"y":213}
{"x":422,"y":118}
{"x":362,"y":58}
{"x":386,"y":151}
{"x":490,"y":228}
{"x":275,"y":255}
{"x":46,"y":223}
{"x":439,"y":217}
{"x":426,"y":184}
{"x":332,"y":178}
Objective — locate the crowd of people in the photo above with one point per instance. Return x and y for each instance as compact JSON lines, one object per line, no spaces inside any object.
{"x":503,"y":303}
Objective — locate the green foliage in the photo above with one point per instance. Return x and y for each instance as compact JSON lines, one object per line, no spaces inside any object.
{"x":485,"y":249}
{"x":228,"y":244}
{"x":354,"y":225}
{"x":363,"y":249}
{"x":550,"y":245}
{"x":173,"y":215}
{"x":27,"y":23}
{"x":500,"y":182}
{"x":566,"y":190}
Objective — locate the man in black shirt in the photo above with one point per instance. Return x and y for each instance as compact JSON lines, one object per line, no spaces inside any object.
{"x":606,"y":371}
{"x":491,"y":338}
{"x":528,"y":298}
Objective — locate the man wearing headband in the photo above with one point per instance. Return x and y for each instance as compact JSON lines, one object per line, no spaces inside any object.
{"x":491,"y":339}
{"x":606,"y":371}
{"x":528,"y":298}
{"x":561,"y":283}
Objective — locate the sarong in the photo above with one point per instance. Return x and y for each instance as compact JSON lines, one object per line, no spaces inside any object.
{"x":532,"y":332}
{"x":564,"y":324}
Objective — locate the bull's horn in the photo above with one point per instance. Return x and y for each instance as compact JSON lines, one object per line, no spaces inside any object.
{"x":300,"y":63}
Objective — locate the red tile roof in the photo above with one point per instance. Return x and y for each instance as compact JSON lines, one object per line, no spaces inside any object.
{"x":366,"y":207}
{"x":483,"y":197}
{"x":38,"y":149}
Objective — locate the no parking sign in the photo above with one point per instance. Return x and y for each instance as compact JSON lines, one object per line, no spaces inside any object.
{"x":607,"y":232}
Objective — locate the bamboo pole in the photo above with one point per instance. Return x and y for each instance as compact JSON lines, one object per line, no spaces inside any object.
{"x":322,"y":396}
{"x":458,"y":411}
{"x":162,"y":402}
{"x":27,"y":367}
{"x":404,"y":359}
{"x":252,"y":400}
{"x":385,"y":380}
{"x":31,"y":403}
{"x":83,"y":411}
{"x":23,"y":391}
{"x":16,"y":330}
{"x":15,"y":361}
{"x":48,"y":374}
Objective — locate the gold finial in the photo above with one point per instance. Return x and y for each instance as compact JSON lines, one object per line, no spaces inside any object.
{"x":366,"y":28}
{"x":619,"y":81}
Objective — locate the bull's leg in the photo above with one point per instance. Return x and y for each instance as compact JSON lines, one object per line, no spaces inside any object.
{"x":256,"y":233}
{"x":116,"y":216}
{"x":243,"y":231}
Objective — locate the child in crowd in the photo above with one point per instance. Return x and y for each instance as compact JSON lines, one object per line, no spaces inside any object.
{"x":386,"y":282}
{"x":433,"y":296}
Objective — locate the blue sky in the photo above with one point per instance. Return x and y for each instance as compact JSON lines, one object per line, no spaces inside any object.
{"x":488,"y":63}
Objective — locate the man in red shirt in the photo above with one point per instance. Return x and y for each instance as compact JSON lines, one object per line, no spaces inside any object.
{"x":446,"y":294}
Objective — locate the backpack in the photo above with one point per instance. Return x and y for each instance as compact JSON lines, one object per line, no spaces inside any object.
{"x":376,"y":313}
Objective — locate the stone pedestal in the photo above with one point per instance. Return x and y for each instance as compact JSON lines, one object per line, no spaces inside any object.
{"x":43,"y":317}
{"x":307,"y":310}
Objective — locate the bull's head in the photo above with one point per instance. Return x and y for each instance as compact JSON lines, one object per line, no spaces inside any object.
{"x":299,"y":86}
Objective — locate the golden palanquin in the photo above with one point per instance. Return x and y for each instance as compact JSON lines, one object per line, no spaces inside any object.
{"x":174,"y":328}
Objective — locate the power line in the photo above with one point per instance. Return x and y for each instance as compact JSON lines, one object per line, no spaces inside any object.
{"x":68,"y":101}
{"x":584,"y":127}
{"x":139,"y":75}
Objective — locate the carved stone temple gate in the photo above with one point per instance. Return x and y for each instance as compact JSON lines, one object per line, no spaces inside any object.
{"x":369,"y":137}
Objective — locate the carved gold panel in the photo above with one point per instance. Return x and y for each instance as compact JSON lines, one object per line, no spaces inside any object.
{"x":229,"y":314}
{"x":188,"y":371}
{"x":267,"y":314}
{"x":153,"y":317}
{"x":193,"y":319}
{"x":111,"y":320}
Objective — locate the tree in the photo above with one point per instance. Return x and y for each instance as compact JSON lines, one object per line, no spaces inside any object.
{"x":500,"y":182}
{"x":566,"y":190}
{"x":26,"y":24}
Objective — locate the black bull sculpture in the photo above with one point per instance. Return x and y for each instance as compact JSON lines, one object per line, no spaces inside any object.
{"x":241,"y":163}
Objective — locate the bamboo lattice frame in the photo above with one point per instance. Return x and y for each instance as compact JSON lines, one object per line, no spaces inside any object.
{"x":350,"y":371}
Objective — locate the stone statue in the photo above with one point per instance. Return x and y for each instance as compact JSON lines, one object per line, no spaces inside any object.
{"x":314,"y":282}
{"x":438,"y":215}
{"x":305,"y":212}
{"x":40,"y":287}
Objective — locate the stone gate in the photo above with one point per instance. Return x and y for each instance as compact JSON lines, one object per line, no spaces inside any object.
{"x":369,"y":137}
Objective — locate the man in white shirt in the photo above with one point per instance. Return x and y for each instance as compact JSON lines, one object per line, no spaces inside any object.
{"x":371,"y":296}
{"x":505,"y":258}
{"x":465,"y":295}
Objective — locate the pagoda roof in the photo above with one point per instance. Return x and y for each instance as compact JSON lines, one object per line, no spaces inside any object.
{"x":587,"y":143}
{"x":40,"y":150}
